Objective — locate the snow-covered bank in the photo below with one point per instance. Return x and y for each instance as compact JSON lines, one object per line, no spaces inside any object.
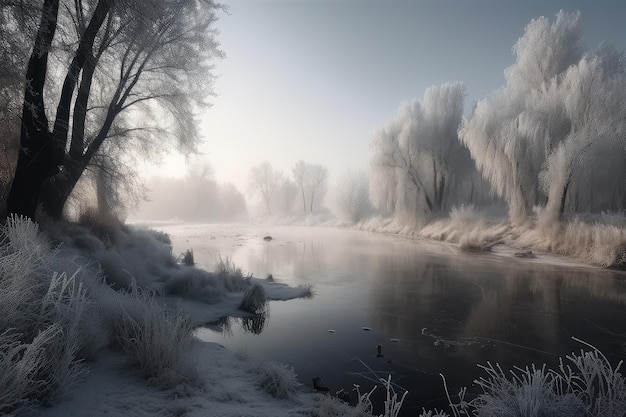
{"x":594,"y":243}
{"x":81,"y":345}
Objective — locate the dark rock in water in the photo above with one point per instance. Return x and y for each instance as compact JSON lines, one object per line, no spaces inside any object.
{"x":318,"y":385}
{"x":379,"y":350}
{"x":529,"y":254}
{"x":270,"y":278}
{"x":267,"y":238}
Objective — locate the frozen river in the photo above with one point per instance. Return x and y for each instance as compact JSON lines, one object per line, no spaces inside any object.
{"x":431,"y":308}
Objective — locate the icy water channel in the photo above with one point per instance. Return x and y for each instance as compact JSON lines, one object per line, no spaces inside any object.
{"x":431,"y":308}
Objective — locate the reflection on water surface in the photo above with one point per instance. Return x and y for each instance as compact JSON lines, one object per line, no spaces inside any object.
{"x":430,"y":308}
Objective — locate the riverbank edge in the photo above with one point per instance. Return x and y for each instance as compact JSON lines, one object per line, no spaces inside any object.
{"x":571,"y":241}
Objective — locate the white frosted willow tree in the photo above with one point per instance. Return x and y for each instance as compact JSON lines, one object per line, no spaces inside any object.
{"x":127,"y":72}
{"x":350,"y":199}
{"x":554,"y":135}
{"x":418,"y":165}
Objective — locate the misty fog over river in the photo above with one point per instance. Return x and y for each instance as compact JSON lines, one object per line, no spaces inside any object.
{"x":432,"y":308}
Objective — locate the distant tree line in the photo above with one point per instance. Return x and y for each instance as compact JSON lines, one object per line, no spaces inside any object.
{"x":309,"y":184}
{"x":195,"y":197}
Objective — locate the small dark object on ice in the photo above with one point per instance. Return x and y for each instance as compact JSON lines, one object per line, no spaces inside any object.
{"x":267,"y":238}
{"x":529,"y":254}
{"x":270,"y":278}
{"x":318,"y":385}
{"x":343,"y":396}
{"x":379,"y":349}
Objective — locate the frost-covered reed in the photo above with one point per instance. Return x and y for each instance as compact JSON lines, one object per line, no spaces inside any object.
{"x":597,"y":240}
{"x":157,"y":339}
{"x":585,"y":384}
{"x":41,"y":317}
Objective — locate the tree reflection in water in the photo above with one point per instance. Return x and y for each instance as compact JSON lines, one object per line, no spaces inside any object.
{"x":253,"y":324}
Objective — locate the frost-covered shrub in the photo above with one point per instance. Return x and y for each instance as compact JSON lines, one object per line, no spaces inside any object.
{"x":126,"y":255}
{"x":525,"y":392}
{"x":277,"y":379}
{"x":186,"y":258}
{"x":156,"y":338}
{"x":254,"y":300}
{"x":194,"y":283}
{"x":225,"y":266}
{"x":231,"y":276}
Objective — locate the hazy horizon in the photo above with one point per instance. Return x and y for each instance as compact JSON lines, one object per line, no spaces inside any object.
{"x":313,"y":80}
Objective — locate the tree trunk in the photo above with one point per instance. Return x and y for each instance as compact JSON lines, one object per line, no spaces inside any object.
{"x":303,"y":198}
{"x":563,"y":198}
{"x":35,"y":162}
{"x":83,"y":53}
{"x":58,"y":189}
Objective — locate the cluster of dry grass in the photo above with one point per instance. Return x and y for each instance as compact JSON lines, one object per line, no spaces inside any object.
{"x":61,"y":305}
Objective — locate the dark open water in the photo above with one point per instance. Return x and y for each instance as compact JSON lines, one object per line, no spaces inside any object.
{"x":431,"y":308}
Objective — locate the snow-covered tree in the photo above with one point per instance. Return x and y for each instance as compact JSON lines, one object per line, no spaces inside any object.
{"x":350,"y":198}
{"x":418,"y":163}
{"x":559,"y":114}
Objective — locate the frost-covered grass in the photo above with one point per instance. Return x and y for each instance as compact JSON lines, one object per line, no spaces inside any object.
{"x":330,"y":406}
{"x":277,"y":379}
{"x":155,"y":338}
{"x":596,"y":243}
{"x":41,"y":317}
{"x":468,"y":228}
{"x":598,"y":240}
{"x":585,"y":384}
{"x":73,"y":291}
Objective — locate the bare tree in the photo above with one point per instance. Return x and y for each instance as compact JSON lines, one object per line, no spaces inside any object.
{"x":316,"y":183}
{"x":299,"y":171}
{"x":312,"y":179}
{"x":287,"y":192}
{"x":264,"y":180}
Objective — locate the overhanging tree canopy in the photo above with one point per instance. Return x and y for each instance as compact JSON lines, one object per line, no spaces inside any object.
{"x":132,"y":70}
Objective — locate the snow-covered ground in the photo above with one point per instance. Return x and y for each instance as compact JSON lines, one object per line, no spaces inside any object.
{"x":231,"y":388}
{"x":209,"y":380}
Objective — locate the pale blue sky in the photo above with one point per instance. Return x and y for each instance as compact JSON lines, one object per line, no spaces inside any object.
{"x":313,"y":80}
